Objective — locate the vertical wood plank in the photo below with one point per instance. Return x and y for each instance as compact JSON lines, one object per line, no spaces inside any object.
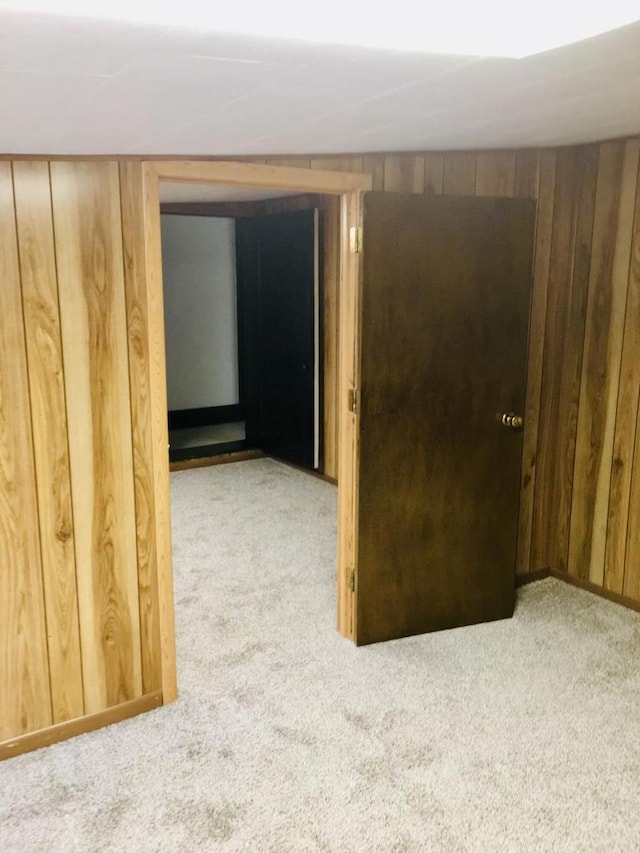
{"x":526,"y":178}
{"x":338,"y":164}
{"x":495,"y":173}
{"x":632,"y":556}
{"x":49,"y":415}
{"x":348,"y":450}
{"x":460,"y":173}
{"x":296,"y":162}
{"x":88,"y":240}
{"x":433,"y":173}
{"x":576,"y":171}
{"x":331,"y":290}
{"x":373,"y":164}
{"x":624,"y":273}
{"x":404,"y":173}
{"x":159,"y":430}
{"x":537,"y":325}
{"x":623,"y":529}
{"x":613,"y":220}
{"x":25,"y":697}
{"x":132,"y":197}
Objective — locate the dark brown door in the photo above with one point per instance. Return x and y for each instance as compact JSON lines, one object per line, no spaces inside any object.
{"x":444,"y":326}
{"x":277,"y":299}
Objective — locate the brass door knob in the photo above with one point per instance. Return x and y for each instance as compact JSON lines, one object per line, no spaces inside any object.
{"x":510,"y":419}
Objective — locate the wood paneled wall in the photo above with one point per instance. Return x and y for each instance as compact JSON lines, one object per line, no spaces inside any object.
{"x":76,"y":634}
{"x":80,"y":565}
{"x":580,"y":498}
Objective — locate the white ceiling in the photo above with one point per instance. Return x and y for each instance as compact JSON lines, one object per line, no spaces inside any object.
{"x":76,"y":86}
{"x":176,"y":192}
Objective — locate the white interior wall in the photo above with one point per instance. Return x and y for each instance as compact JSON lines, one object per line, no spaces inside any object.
{"x":201,"y":329}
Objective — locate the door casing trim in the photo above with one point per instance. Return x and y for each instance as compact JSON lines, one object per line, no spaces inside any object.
{"x":350,"y":187}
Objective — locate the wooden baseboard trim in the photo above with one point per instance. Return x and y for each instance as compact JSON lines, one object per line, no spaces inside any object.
{"x":79,"y":725}
{"x":317,"y":474}
{"x":523,"y":578}
{"x":588,"y":586}
{"x":221,"y":459}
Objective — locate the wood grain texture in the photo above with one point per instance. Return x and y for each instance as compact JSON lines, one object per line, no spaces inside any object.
{"x":623,"y":533}
{"x":613,"y":219}
{"x":632,"y":556}
{"x":80,"y":725}
{"x":132,"y":197}
{"x":445,"y":305}
{"x":25,"y":696}
{"x":537,"y":325}
{"x":373,"y":164}
{"x":495,"y":173}
{"x":348,"y":445}
{"x":352,"y":164}
{"x":159,"y":429}
{"x":564,"y":337}
{"x":460,"y":173}
{"x":556,"y":344}
{"x":342,"y":176}
{"x":88,"y":239}
{"x":296,"y":162}
{"x":526,"y":177}
{"x":433,"y":174}
{"x":404,"y":173}
{"x":49,"y":416}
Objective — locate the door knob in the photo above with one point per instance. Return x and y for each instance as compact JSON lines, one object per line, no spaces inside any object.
{"x":510,"y":419}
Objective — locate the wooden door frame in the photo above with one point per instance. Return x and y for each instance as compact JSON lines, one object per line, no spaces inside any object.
{"x":349,"y":187}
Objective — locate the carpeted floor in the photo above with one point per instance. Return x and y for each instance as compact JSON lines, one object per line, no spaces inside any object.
{"x":522,"y":735}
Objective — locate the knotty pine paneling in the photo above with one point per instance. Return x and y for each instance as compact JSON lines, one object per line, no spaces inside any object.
{"x":25,"y":695}
{"x":50,"y":442}
{"x":89,"y":509}
{"x":88,"y":239}
{"x":132,"y":192}
{"x":79,"y":624}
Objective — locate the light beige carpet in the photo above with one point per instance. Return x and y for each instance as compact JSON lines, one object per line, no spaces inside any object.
{"x":522,"y":735}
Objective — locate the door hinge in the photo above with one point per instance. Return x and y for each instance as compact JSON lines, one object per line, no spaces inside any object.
{"x":351,"y":580}
{"x":355,"y":239}
{"x":353,"y":400}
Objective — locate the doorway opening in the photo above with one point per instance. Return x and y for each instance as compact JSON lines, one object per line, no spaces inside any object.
{"x":243,"y":288}
{"x":340,"y":337}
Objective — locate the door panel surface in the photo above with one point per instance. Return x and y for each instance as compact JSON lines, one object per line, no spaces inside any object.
{"x":444,"y":324}
{"x":276,"y":280}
